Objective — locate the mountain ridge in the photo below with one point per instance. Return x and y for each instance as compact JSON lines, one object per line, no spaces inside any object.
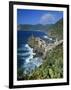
{"x":52,"y":30}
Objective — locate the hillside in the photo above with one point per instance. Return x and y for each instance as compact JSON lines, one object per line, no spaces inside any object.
{"x":34,"y":27}
{"x":30,"y":27}
{"x":52,"y":66}
{"x":56,"y":30}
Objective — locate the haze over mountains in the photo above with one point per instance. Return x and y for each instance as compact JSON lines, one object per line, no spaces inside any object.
{"x":53,"y":30}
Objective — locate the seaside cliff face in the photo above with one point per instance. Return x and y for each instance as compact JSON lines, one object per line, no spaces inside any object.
{"x":39,"y":46}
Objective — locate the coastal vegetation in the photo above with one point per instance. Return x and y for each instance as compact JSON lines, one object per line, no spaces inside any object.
{"x":52,"y":66}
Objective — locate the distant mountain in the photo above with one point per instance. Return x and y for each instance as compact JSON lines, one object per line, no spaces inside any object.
{"x":53,"y":30}
{"x":34,"y":27}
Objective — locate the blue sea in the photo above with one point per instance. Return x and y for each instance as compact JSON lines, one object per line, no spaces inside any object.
{"x":24,"y":35}
{"x":25,"y":55}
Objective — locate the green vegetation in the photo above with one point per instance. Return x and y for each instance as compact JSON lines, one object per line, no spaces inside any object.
{"x":56,"y":30}
{"x":52,"y":66}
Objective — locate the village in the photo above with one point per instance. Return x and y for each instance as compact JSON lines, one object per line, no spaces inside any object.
{"x":41,"y":47}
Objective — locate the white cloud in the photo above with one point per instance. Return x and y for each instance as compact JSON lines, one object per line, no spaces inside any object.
{"x":47,"y":19}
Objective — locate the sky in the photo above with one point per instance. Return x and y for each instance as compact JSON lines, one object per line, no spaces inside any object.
{"x":25,"y":16}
